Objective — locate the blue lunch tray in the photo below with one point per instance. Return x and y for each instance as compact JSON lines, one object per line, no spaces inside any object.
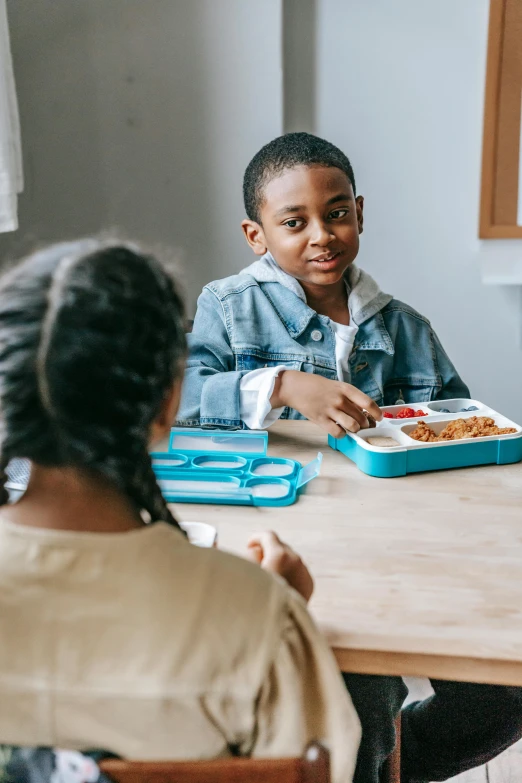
{"x":219,"y":466}
{"x":412,"y":456}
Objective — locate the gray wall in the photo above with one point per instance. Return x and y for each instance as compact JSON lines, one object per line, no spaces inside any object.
{"x":400,"y":88}
{"x":141,"y":115}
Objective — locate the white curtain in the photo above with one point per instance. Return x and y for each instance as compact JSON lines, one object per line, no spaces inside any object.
{"x":11,"y":176}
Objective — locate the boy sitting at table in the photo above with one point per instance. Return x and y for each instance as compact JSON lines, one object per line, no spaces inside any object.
{"x":289,"y":335}
{"x":304,"y":333}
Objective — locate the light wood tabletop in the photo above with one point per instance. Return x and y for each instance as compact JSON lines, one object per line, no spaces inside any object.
{"x":420,"y":575}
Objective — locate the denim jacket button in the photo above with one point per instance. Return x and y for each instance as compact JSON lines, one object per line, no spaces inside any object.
{"x":316,"y":335}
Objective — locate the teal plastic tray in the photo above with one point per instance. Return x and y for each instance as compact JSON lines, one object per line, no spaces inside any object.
{"x":213,"y":466}
{"x":412,"y":456}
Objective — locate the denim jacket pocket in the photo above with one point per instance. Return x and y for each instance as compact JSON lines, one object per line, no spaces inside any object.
{"x":419,"y":391}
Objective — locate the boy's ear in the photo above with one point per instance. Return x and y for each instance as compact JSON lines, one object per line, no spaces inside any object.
{"x":255,"y":236}
{"x":359,"y":205}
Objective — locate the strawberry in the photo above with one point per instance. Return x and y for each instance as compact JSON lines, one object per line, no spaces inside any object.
{"x":387,"y":415}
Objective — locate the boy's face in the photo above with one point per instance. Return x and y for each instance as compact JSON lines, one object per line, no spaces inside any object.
{"x":310,"y":222}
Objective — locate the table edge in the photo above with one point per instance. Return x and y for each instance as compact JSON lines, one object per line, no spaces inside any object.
{"x":442,"y":667}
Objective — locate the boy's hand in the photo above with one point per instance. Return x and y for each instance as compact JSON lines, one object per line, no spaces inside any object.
{"x":273,"y":555}
{"x":335,"y":406}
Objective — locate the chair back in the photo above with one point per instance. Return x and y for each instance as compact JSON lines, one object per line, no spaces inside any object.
{"x":312,"y":767}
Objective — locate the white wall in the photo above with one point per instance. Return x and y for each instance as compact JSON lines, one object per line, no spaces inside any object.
{"x":400,"y":89}
{"x":141,"y":115}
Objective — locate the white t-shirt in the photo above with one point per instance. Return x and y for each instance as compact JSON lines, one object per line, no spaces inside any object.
{"x":256,"y":387}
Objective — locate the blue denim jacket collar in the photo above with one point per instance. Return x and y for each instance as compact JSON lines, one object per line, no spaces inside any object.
{"x":365,"y":300}
{"x":374,"y":336}
{"x":296,"y":316}
{"x":293,"y":312}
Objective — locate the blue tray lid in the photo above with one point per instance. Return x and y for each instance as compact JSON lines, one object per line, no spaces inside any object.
{"x":242,"y":443}
{"x":310,"y":471}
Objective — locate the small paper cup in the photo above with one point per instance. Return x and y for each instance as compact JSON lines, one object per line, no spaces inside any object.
{"x":200,"y":534}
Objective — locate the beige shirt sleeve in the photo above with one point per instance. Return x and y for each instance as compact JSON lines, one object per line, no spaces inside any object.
{"x":304,"y":698}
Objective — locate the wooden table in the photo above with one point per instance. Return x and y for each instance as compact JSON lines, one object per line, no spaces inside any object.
{"x":417,"y":576}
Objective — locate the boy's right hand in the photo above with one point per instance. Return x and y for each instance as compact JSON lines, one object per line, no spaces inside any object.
{"x":335,"y":406}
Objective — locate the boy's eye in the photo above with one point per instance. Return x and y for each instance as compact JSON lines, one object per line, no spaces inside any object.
{"x":338,"y":213}
{"x":294,"y":223}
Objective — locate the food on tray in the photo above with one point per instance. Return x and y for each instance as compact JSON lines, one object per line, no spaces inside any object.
{"x":409,"y":413}
{"x":423,"y":433}
{"x":474,"y":427}
{"x":462,"y":410}
{"x":382,"y":442}
{"x":405,"y":413}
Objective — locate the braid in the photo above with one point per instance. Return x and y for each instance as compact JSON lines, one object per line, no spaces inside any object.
{"x":91,"y":342}
{"x":54,"y":295}
{"x":148,"y":495}
{"x":4,"y":494}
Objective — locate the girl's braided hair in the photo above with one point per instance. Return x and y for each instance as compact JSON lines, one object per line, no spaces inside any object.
{"x":91,"y":341}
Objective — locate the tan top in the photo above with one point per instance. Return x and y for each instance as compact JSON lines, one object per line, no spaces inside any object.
{"x":152,"y":648}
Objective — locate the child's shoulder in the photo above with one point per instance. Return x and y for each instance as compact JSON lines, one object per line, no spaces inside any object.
{"x":233,"y":284}
{"x":401,"y":310}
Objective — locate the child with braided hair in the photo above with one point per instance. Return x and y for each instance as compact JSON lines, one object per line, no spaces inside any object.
{"x":83,"y":379}
{"x":115,"y":631}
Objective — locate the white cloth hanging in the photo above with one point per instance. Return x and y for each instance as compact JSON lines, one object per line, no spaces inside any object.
{"x":11,"y":174}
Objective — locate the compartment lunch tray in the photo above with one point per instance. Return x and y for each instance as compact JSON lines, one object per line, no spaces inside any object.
{"x":213,"y":466}
{"x":412,"y":456}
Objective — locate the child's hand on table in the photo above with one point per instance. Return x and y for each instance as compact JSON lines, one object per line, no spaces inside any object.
{"x":335,"y":406}
{"x":273,"y":555}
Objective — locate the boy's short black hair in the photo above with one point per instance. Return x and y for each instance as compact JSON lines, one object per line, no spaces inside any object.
{"x":287,"y":152}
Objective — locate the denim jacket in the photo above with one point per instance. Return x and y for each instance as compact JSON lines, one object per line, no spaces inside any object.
{"x":243,"y":323}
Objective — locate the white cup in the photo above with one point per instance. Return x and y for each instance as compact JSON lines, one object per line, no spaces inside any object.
{"x":200,"y":534}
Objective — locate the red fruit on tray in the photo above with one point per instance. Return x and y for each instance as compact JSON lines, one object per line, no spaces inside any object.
{"x":387,"y":415}
{"x":406,"y":413}
{"x":420,"y":413}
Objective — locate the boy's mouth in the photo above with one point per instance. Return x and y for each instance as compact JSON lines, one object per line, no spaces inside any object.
{"x":326,"y":260}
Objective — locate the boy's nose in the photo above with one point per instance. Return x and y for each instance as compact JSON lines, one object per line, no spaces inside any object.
{"x":321,"y":235}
